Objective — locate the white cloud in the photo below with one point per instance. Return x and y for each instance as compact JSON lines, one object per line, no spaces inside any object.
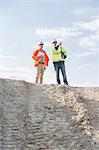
{"x":86,"y":34}
{"x":92,"y":25}
{"x":90,"y":41}
{"x":57,"y":32}
{"x":90,"y":31}
{"x":87,"y":42}
{"x":85,"y":54}
{"x":79,"y":30}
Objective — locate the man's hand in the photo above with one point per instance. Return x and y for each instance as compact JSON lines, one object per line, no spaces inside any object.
{"x":41,"y":56}
{"x":64,"y":56}
{"x":44,"y":68}
{"x":60,"y":43}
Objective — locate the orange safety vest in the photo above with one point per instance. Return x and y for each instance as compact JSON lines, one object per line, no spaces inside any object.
{"x":38,"y":58}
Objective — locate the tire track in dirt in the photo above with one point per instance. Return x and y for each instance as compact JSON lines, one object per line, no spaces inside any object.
{"x":31,"y":118}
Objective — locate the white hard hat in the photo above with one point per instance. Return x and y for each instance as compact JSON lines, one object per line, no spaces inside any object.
{"x":40,"y":43}
{"x":54,"y":41}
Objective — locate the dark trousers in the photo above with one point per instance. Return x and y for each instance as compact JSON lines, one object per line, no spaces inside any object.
{"x":60,"y":66}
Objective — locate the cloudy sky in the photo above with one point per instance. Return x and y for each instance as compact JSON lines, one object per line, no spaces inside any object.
{"x":25,"y":22}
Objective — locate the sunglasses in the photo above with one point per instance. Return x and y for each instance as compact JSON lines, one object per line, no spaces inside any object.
{"x":54,"y":42}
{"x":41,"y":44}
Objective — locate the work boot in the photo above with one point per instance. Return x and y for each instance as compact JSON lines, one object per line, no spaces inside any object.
{"x":66,"y":83}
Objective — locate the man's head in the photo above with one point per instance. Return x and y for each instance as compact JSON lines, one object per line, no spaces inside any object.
{"x":54,"y":42}
{"x":40,"y":45}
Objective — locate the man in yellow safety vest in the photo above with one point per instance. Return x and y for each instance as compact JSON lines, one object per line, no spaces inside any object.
{"x":59,"y":55}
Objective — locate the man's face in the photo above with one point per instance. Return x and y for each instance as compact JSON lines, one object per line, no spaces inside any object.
{"x":40,"y":46}
{"x":55,"y":43}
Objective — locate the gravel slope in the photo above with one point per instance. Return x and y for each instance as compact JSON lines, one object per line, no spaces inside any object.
{"x":48,"y":117}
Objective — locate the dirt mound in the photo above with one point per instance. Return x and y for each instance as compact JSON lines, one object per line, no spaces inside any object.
{"x":48,"y":117}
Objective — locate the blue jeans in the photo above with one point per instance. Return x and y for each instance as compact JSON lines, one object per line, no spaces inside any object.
{"x":60,"y":66}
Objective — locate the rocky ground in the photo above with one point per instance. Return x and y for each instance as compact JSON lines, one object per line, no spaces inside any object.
{"x":48,"y":117}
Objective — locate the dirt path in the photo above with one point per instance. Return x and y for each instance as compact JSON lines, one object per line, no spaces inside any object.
{"x":37,"y":118}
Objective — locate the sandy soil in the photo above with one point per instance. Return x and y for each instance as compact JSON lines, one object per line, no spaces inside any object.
{"x":48,"y":117}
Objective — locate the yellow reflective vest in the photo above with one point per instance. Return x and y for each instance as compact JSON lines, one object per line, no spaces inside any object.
{"x":57,"y":54}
